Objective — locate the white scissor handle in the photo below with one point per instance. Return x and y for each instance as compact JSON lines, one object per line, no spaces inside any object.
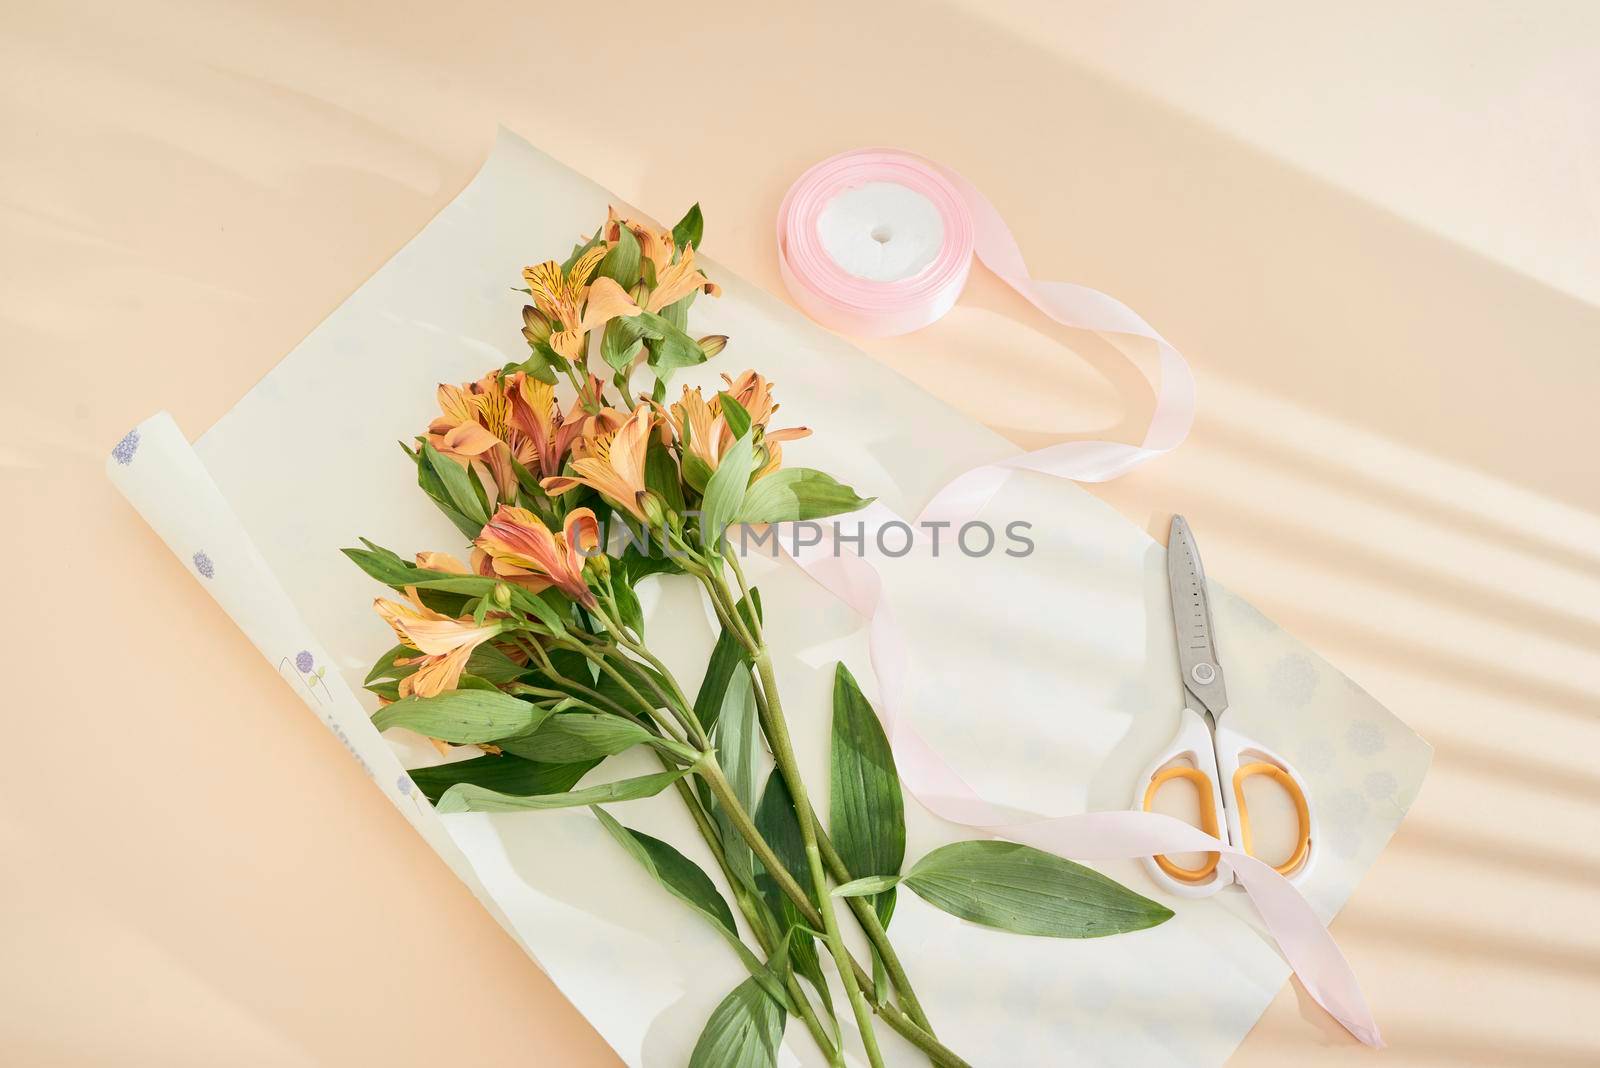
{"x":1239,"y":759}
{"x":1188,"y":756}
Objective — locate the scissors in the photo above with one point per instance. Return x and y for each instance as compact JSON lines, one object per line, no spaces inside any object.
{"x":1206,"y":752}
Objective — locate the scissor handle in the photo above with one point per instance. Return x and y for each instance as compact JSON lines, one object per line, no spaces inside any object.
{"x":1188,"y":756}
{"x":1240,"y":759}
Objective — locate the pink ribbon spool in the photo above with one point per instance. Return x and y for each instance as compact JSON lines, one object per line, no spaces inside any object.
{"x":853,"y":303}
{"x":850,"y":303}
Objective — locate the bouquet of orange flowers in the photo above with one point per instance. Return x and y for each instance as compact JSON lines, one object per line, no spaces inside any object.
{"x":526,"y":658}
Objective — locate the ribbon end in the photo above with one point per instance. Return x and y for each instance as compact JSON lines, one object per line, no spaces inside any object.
{"x":1368,"y":1035}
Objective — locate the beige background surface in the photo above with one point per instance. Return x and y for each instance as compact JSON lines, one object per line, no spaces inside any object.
{"x":1372,"y":232}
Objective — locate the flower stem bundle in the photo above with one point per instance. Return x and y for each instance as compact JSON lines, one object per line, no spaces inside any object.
{"x":525,"y":657}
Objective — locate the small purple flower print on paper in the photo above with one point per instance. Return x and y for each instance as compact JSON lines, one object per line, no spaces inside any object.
{"x":125,"y":449}
{"x":304,"y":661}
{"x":203,"y":564}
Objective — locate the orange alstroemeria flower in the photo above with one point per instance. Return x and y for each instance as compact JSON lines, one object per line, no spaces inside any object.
{"x":700,"y":426}
{"x":754,"y":394}
{"x":704,"y":432}
{"x":536,"y":416}
{"x":567,"y":299}
{"x":678,"y":280}
{"x":655,"y":244}
{"x":612,"y":463}
{"x":458,"y":431}
{"x":518,"y":547}
{"x":476,"y":429}
{"x":445,"y":644}
{"x":674,"y":281}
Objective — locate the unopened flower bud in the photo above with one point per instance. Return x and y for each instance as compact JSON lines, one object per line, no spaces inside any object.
{"x":713,"y":344}
{"x":600,"y":565}
{"x":535,"y":327}
{"x":639,"y":292}
{"x":653,"y":507}
{"x":502,"y":595}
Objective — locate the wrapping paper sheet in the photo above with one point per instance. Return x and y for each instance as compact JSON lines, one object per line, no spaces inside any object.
{"x":1048,"y":680}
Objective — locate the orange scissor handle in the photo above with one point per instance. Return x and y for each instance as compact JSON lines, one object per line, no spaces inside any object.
{"x":1208,"y":819}
{"x":1301,"y":807}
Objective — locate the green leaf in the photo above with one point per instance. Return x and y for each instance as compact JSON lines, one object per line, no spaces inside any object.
{"x":725,"y":493}
{"x":726,"y":657}
{"x":690,"y":229}
{"x":392,"y":571}
{"x":866,"y":812}
{"x":386,"y":668}
{"x":574,"y":736}
{"x":872,"y":884}
{"x":737,"y":738}
{"x":1028,"y":891}
{"x":579,"y":250}
{"x":543,"y":362}
{"x":493,"y":666}
{"x":628,"y":607}
{"x":696,"y":472}
{"x":504,"y":774}
{"x":661,"y":475}
{"x":457,"y":484}
{"x":527,"y":480}
{"x":465,"y":717}
{"x":677,"y":313}
{"x":674,"y":351}
{"x":619,"y":343}
{"x":622,"y":262}
{"x":680,"y":875}
{"x":636,"y":565}
{"x":733,"y":413}
{"x":776,"y":821}
{"x":797,"y":493}
{"x":467,"y":797}
{"x":743,"y":1032}
{"x":684,"y":879}
{"x":434,"y":487}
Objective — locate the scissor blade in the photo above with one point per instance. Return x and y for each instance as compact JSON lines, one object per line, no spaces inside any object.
{"x":1191,"y":619}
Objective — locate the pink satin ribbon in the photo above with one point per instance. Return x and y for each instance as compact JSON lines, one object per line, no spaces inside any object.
{"x":854,"y":305}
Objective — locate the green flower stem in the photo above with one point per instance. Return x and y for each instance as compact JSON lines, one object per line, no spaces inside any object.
{"x":862,"y":908}
{"x":757,"y":920}
{"x":892,"y":1015}
{"x":674,"y":702}
{"x":744,"y":587}
{"x":783,"y":752}
{"x":902,"y":1024}
{"x":711,"y":772}
{"x":859,"y":980}
{"x":593,"y":695}
{"x":669,"y":726}
{"x":867,"y":916}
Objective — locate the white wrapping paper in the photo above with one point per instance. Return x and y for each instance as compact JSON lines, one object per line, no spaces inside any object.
{"x":1048,"y":681}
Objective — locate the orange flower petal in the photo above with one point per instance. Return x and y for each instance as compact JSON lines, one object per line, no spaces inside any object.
{"x":441,"y":562}
{"x":676,"y":282}
{"x":469,"y":439}
{"x":607,"y":300}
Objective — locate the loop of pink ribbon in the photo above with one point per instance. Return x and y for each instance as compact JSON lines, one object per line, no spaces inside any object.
{"x":854,"y":305}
